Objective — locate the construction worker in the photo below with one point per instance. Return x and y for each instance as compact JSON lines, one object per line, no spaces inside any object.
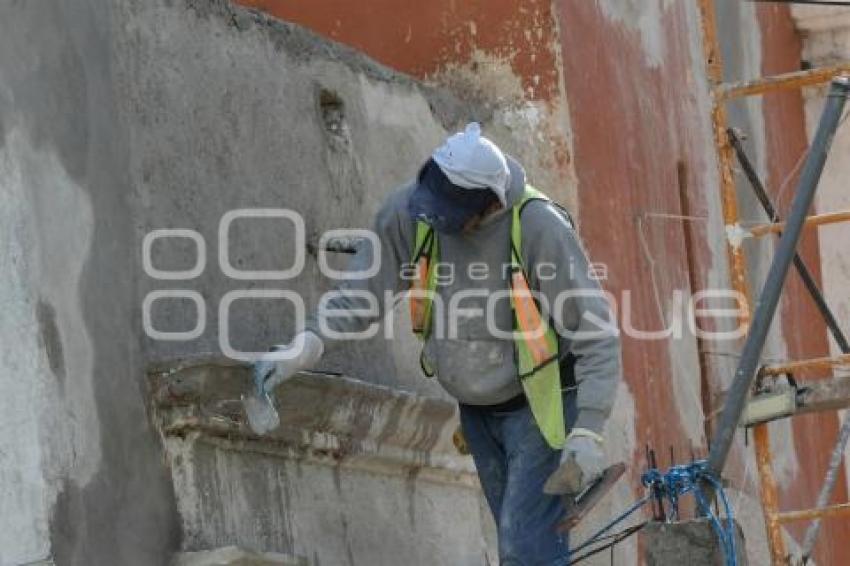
{"x":533,"y":402}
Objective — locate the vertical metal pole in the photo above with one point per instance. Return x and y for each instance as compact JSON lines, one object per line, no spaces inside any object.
{"x":835,"y":460}
{"x":769,"y":298}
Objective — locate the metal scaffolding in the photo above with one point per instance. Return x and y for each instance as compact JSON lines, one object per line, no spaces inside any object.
{"x":747,"y":372}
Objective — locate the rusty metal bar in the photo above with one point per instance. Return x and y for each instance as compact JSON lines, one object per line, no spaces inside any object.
{"x":725,"y":153}
{"x":840,"y":510}
{"x":735,"y":253}
{"x":722,"y":93}
{"x":737,"y":263}
{"x":796,"y":79}
{"x":769,"y":492}
{"x":811,"y":221}
{"x":833,"y":394}
{"x":824,"y":395}
{"x":836,"y":458}
{"x":812,"y":363}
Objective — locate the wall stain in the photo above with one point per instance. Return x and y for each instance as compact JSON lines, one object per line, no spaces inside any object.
{"x":51,"y":338}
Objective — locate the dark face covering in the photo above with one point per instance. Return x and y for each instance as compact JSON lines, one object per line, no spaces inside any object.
{"x":444,"y":205}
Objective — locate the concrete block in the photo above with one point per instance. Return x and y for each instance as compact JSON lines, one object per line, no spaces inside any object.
{"x":695,"y":541}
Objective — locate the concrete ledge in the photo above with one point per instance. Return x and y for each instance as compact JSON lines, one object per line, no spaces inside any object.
{"x":235,"y":556}
{"x":328,"y":419}
{"x":356,"y":473}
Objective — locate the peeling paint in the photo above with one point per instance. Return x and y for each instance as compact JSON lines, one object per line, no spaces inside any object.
{"x":646,"y":17}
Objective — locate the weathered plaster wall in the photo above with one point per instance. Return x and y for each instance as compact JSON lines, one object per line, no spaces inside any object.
{"x":81,"y":473}
{"x":249,"y":129}
{"x":639,"y":115}
{"x":632,"y":153}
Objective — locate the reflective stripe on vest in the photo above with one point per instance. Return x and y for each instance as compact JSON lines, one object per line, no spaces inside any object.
{"x":424,"y":285}
{"x":535,"y":343}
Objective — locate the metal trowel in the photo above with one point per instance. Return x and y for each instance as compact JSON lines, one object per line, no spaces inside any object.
{"x":579,"y":505}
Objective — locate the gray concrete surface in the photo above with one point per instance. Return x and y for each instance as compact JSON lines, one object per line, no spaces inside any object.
{"x":235,"y":556}
{"x":81,"y":474}
{"x":689,"y":542}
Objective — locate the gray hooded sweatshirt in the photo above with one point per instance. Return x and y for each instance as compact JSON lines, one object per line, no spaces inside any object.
{"x":469,"y":346}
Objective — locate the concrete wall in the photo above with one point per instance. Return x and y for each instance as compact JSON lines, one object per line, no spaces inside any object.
{"x":81,"y":471}
{"x":126,"y":117}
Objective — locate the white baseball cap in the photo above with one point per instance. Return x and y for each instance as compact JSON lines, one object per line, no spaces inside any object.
{"x":472,"y":161}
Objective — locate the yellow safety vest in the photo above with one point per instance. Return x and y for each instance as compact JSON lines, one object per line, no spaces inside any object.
{"x":535,"y":345}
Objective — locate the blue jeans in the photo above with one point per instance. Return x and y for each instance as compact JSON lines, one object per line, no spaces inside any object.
{"x":513,"y":462}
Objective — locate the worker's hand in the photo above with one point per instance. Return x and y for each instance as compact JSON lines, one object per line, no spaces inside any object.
{"x":582,"y":461}
{"x":284,"y":361}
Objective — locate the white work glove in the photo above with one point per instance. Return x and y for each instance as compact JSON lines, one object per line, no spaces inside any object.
{"x":284,"y":361}
{"x":582,"y":461}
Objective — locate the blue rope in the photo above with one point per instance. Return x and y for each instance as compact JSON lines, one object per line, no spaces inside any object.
{"x":727,"y":535}
{"x":672,"y":485}
{"x":689,"y":478}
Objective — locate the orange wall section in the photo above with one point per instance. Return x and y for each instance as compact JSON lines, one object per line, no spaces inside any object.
{"x":637,"y":141}
{"x":422,"y":38}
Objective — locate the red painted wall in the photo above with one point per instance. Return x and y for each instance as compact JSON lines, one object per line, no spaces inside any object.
{"x":421,"y":38}
{"x":636,"y":131}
